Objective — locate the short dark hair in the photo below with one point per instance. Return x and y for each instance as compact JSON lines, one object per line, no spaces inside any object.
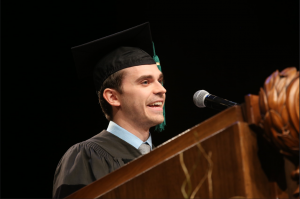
{"x":114,"y":81}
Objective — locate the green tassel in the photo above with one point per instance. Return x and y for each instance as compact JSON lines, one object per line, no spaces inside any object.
{"x":159,"y":127}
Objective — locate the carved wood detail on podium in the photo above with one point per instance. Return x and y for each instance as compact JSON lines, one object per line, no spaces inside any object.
{"x":276,"y":111}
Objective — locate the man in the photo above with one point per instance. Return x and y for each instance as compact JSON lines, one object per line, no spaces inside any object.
{"x":129,"y":87}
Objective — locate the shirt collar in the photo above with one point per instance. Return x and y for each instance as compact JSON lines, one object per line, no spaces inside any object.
{"x":127,"y":136}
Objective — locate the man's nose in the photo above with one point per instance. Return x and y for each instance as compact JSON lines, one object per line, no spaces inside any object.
{"x":159,"y":88}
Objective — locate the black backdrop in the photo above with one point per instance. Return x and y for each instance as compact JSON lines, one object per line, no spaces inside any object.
{"x":225,"y":47}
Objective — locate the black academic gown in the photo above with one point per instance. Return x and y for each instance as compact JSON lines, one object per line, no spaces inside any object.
{"x":90,"y":160}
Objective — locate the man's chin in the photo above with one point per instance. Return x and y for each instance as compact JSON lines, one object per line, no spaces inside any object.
{"x":158,"y":121}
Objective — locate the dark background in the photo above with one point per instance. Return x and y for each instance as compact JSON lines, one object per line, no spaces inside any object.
{"x":228,"y":48}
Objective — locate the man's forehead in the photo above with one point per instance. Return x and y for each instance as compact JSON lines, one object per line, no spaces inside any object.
{"x":137,"y":71}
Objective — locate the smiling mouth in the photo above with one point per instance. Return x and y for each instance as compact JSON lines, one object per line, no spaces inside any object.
{"x":156,"y":105}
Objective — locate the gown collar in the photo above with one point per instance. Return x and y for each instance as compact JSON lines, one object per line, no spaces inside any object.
{"x":125,"y":135}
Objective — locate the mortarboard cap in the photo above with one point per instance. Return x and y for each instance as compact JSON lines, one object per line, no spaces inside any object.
{"x":107,"y":55}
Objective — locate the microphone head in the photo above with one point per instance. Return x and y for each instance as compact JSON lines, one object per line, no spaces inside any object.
{"x":199,"y":97}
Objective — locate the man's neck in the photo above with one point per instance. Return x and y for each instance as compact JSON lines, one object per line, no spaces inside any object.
{"x":140,"y":132}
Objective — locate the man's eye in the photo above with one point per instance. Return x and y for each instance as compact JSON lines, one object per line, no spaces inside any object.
{"x":145,"y":82}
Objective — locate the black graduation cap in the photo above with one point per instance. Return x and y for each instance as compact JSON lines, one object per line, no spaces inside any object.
{"x":107,"y":55}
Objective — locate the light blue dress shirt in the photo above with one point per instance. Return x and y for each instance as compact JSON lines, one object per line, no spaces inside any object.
{"x":127,"y":136}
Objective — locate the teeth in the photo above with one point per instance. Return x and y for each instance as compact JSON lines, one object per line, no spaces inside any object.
{"x":156,"y":104}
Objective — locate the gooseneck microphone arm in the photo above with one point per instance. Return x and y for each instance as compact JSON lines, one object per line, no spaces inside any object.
{"x":217,"y":103}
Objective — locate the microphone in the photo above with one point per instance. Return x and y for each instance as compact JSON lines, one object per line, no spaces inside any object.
{"x":203,"y":99}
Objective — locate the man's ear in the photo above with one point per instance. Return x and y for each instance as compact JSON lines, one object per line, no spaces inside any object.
{"x":111,"y":96}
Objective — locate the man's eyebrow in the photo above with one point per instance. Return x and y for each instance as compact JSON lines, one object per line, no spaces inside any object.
{"x":161,"y":76}
{"x":144,"y":77}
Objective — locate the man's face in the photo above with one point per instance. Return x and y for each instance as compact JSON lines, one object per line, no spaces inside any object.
{"x":143,"y":95}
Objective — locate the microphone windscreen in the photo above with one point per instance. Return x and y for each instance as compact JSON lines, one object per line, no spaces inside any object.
{"x":199,"y":97}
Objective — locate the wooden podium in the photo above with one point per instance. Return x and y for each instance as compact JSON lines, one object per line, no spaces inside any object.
{"x":220,"y":158}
